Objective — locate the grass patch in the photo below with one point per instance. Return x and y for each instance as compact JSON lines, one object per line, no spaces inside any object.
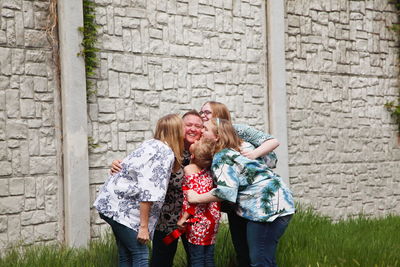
{"x":310,"y":240}
{"x":314,"y":240}
{"x":101,"y":252}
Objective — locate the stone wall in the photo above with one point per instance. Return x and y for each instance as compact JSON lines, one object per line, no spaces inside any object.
{"x":29,"y":126}
{"x":159,"y":57}
{"x":342,"y":66}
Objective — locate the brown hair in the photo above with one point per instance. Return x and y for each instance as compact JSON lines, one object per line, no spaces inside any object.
{"x":191,"y":112}
{"x":204,"y":152}
{"x":219,"y":110}
{"x":227,"y":137}
{"x":169,"y":129}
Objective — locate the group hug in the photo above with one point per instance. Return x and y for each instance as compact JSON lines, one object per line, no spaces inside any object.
{"x":176,"y":185}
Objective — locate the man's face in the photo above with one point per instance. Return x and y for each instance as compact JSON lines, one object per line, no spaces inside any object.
{"x":193,"y":128}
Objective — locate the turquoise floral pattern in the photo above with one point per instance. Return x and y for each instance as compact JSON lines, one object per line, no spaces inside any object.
{"x":260,"y":194}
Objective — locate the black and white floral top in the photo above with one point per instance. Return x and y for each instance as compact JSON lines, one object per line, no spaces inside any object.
{"x":144,"y":177}
{"x":172,"y":207}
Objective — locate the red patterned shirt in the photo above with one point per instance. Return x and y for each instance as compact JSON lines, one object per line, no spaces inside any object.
{"x":203,"y":230}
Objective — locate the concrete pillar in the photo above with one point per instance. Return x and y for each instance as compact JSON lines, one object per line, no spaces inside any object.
{"x":74,"y":121}
{"x":276,"y":70}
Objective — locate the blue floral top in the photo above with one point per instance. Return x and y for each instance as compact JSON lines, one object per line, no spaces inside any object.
{"x":256,"y":138}
{"x":260,"y":194}
{"x":144,"y":177}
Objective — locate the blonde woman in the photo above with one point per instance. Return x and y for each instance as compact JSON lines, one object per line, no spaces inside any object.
{"x":130,"y":200}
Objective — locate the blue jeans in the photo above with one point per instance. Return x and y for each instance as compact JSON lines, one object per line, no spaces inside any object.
{"x":131,"y":253}
{"x":262,"y":239}
{"x":237,"y":227}
{"x":163,"y":255}
{"x":201,"y":256}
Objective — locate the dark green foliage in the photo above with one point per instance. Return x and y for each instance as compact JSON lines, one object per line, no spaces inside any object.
{"x":395,"y":110}
{"x":89,"y":50}
{"x":91,"y":143}
{"x":391,"y":106}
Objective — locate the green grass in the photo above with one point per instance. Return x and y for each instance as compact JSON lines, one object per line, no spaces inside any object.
{"x":313,"y":240}
{"x":310,"y":240}
{"x":99,"y":253}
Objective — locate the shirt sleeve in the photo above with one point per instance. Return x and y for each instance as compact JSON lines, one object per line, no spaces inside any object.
{"x":149,"y":167}
{"x":251,"y":134}
{"x":226,"y":172}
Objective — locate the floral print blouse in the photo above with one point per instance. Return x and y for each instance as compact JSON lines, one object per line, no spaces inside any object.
{"x":144,"y":177}
{"x":203,"y":226}
{"x":260,"y":194}
{"x":256,"y":138}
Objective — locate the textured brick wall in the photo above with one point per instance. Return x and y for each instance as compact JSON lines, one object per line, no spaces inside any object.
{"x":341,"y":63}
{"x":29,"y":209}
{"x":160,"y":57}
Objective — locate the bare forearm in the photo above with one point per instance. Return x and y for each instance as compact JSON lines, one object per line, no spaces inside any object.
{"x":208,"y":197}
{"x":144,"y":214}
{"x":185,"y":216}
{"x":143,"y":233}
{"x":263,"y":149}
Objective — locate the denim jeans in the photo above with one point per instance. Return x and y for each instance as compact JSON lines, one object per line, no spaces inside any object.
{"x":201,"y":256}
{"x":237,"y":227}
{"x":131,"y":253}
{"x":163,"y":255}
{"x":262,"y":239}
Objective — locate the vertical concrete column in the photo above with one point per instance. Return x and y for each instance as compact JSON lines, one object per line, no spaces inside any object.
{"x":277,"y":81}
{"x":74,"y":117}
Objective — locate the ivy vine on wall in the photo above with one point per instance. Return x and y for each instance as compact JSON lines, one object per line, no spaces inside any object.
{"x":391,"y":106}
{"x":89,"y":50}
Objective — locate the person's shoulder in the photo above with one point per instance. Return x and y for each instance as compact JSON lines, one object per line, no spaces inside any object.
{"x":226,"y":153}
{"x":239,"y":126}
{"x":156,"y":144}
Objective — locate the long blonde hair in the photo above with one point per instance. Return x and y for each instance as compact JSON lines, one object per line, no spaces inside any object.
{"x":169,"y":129}
{"x":227,"y":137}
{"x":219,"y":110}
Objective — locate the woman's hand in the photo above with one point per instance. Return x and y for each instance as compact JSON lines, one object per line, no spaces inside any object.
{"x":116,"y":166}
{"x":248,"y":154}
{"x":143,"y":235}
{"x":181,"y":223}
